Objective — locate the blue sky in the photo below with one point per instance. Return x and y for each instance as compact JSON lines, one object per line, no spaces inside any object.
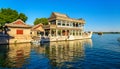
{"x":100,"y":15}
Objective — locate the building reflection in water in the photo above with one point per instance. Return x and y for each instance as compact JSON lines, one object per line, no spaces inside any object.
{"x":16,"y":55}
{"x":64,"y":51}
{"x":57,"y":53}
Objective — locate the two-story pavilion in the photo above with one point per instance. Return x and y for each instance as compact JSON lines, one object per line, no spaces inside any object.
{"x":61,"y":27}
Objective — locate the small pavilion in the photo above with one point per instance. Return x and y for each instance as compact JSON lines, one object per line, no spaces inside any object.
{"x":37,"y":30}
{"x":19,"y":30}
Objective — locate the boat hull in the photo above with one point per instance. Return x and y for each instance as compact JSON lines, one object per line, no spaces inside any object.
{"x":66,"y":38}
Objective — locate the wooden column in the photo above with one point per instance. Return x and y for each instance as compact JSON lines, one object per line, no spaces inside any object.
{"x":56,"y":22}
{"x":61,"y":23}
{"x":75,"y":24}
{"x":78,"y":32}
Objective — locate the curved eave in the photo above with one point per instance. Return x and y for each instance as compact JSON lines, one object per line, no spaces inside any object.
{"x":67,"y":19}
{"x":38,"y":30}
{"x":19,"y":26}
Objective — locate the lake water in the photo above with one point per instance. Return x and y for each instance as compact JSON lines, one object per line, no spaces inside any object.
{"x":100,"y":52}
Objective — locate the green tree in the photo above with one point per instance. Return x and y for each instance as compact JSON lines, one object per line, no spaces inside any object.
{"x":44,"y":21}
{"x":22,"y":16}
{"x":8,"y":15}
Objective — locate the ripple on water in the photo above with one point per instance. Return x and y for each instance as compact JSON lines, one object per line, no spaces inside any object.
{"x":101,"y":53}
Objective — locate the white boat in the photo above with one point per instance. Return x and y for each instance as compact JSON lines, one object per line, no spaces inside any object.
{"x":44,"y":39}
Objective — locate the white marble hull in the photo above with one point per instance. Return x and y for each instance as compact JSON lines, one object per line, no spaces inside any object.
{"x":62,"y":38}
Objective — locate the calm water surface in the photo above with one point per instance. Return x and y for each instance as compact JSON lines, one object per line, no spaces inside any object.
{"x":100,"y":52}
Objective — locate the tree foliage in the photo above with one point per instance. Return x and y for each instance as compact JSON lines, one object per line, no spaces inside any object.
{"x":44,"y":21}
{"x":8,"y":15}
{"x":22,"y":16}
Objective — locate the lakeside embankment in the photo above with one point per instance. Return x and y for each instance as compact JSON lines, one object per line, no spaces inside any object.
{"x":5,"y":39}
{"x":107,"y":32}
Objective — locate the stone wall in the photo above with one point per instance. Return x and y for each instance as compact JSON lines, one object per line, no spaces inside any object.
{"x":5,"y":39}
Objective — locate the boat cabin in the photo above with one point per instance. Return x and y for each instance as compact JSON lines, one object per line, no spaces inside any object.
{"x":63,"y":27}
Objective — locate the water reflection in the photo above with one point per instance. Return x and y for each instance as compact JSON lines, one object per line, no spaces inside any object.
{"x":50,"y":55}
{"x":14,"y":55}
{"x":64,"y":51}
{"x":78,"y":54}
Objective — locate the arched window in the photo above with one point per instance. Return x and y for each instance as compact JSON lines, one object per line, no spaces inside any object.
{"x":59,"y":22}
{"x":63,"y":23}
